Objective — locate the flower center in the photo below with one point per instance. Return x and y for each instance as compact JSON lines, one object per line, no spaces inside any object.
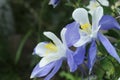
{"x":51,"y":47}
{"x":85,"y":26}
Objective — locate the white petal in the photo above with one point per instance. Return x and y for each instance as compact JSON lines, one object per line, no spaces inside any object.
{"x":80,"y":15}
{"x":95,"y":32}
{"x":40,"y":49}
{"x":82,"y":41}
{"x":92,"y":6}
{"x":104,"y":2}
{"x":97,"y":15}
{"x":48,"y":59}
{"x":53,"y":37}
{"x":63,"y":35}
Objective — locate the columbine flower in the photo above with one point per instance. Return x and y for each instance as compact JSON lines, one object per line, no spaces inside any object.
{"x":90,"y":33}
{"x":54,"y":3}
{"x":94,"y":4}
{"x":52,"y":56}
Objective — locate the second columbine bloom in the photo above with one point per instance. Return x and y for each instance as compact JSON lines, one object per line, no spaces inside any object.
{"x":91,"y":32}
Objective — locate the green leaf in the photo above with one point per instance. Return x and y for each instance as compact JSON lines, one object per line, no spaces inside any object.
{"x":108,"y":67}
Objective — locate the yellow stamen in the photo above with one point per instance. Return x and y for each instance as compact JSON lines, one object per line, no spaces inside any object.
{"x":85,"y":26}
{"x":51,"y":47}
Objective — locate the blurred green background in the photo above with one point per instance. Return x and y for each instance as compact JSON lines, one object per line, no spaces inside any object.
{"x":22,"y":23}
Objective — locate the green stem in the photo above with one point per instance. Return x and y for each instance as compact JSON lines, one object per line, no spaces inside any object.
{"x":39,"y":16}
{"x":18,"y":53}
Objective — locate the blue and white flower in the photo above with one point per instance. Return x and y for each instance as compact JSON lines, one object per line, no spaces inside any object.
{"x":54,"y":3}
{"x":90,"y":33}
{"x":93,"y":4}
{"x":52,"y":55}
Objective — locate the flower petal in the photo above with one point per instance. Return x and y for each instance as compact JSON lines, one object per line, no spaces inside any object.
{"x":40,"y":72}
{"x":108,"y":46}
{"x":54,"y":71}
{"x":93,"y":4}
{"x":108,"y":22}
{"x":40,"y":49}
{"x":96,"y":17}
{"x":92,"y":56}
{"x":79,"y":55}
{"x":104,"y":2}
{"x":80,"y":15}
{"x":48,"y":59}
{"x":82,"y":41}
{"x":63,"y":32}
{"x":70,"y":60}
{"x":53,"y":37}
{"x":72,"y":34}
